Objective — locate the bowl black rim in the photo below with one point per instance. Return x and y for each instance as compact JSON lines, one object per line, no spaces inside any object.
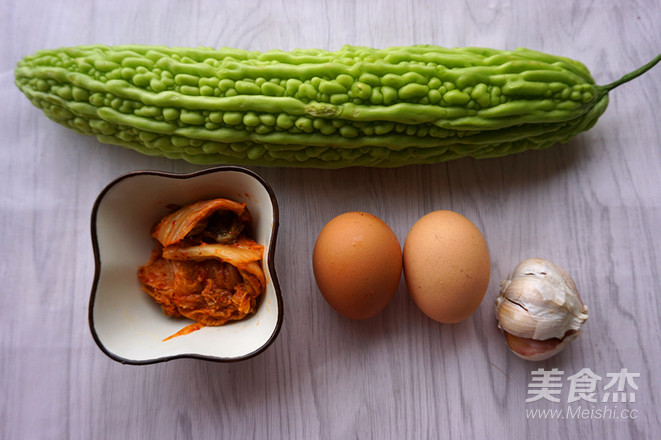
{"x":271,"y":265}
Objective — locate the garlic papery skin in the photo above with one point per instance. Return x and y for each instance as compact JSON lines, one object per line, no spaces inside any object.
{"x":539,"y":309}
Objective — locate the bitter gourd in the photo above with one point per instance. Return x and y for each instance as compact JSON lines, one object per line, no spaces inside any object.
{"x":354,"y":107}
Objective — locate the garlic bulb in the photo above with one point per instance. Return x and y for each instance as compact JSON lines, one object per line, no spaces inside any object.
{"x":539,"y":309}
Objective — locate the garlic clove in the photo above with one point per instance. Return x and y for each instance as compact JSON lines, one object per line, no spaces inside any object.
{"x":534,"y":350}
{"x":515,"y":318}
{"x":539,"y":309}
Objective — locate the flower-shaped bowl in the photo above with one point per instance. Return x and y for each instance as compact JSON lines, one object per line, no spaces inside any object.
{"x":126,"y":323}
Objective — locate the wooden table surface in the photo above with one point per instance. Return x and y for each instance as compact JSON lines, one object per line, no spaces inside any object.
{"x":592,"y":205}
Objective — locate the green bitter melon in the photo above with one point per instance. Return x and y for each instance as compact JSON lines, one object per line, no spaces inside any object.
{"x":354,"y":107}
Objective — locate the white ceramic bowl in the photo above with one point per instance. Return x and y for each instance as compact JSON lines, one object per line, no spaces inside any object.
{"x":125,"y":322}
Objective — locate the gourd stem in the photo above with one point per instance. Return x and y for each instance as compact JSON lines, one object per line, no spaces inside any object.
{"x":632,"y":75}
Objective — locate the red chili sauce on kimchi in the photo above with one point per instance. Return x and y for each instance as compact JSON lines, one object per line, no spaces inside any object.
{"x":204,"y":265}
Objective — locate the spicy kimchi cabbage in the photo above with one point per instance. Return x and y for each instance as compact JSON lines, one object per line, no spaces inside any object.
{"x":204,"y":265}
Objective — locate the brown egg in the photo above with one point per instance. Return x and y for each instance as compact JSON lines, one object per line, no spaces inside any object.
{"x":357,"y":262}
{"x":446,"y":266}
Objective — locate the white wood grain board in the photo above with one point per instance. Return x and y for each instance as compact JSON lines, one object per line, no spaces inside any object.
{"x":592,"y":206}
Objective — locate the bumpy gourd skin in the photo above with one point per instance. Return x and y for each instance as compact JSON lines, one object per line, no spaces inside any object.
{"x":354,"y":107}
